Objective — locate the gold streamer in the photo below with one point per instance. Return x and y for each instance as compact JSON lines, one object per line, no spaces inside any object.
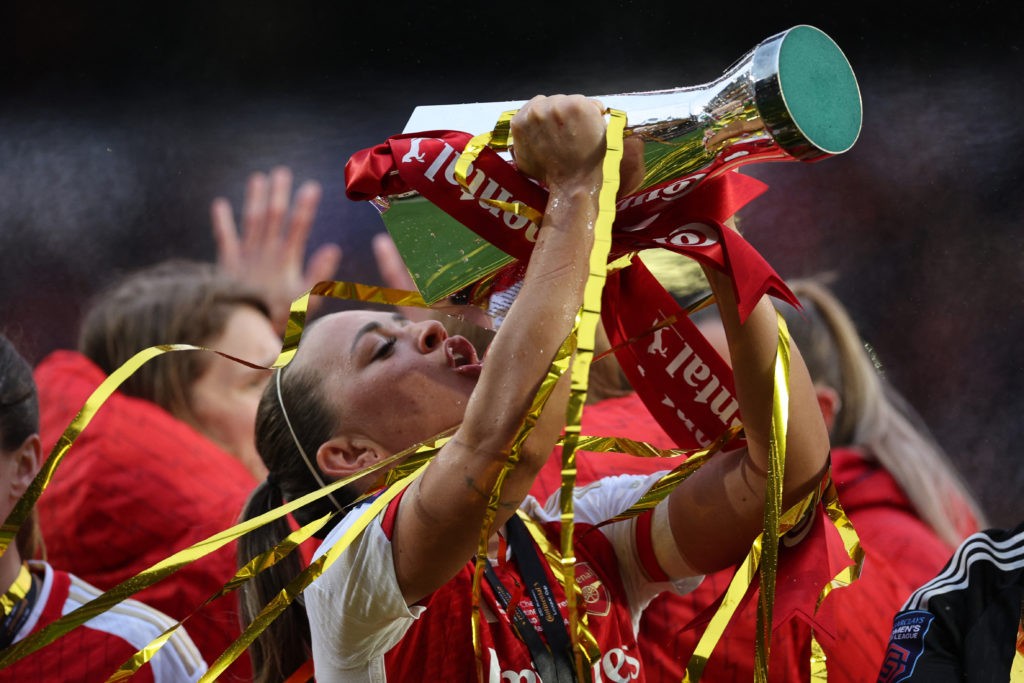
{"x":620,"y":444}
{"x":819,"y":670}
{"x":304,"y":578}
{"x":664,"y":486}
{"x":257,"y":564}
{"x":584,"y":649}
{"x":850,"y":541}
{"x":24,"y":505}
{"x":371,"y":294}
{"x":499,"y":138}
{"x":738,"y":587}
{"x":773,"y":503}
{"x":18,"y":590}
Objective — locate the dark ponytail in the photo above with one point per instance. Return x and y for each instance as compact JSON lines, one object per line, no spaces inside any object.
{"x":285,"y":644}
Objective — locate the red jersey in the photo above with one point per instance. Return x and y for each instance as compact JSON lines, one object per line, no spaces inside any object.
{"x":92,"y":652}
{"x":362,"y":629}
{"x":137,"y":486}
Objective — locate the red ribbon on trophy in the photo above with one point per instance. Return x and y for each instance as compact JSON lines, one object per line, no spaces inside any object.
{"x":666,"y":216}
{"x":677,"y":215}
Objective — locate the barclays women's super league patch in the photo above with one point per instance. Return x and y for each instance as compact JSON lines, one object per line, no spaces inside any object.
{"x":906,"y":643}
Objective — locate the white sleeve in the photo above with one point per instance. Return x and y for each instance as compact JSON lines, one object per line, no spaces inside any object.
{"x":353,"y":620}
{"x":603,"y":500}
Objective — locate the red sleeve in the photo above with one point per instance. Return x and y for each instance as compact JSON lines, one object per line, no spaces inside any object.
{"x":391,"y":513}
{"x":645,"y":547}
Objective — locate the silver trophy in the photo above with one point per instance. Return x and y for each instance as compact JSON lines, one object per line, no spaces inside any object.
{"x":793,"y":97}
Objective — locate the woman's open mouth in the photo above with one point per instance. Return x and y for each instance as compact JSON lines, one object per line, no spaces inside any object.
{"x":462,"y":356}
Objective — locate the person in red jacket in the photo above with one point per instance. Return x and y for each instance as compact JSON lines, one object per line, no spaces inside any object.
{"x":152,"y":473}
{"x":37,"y":593}
{"x":170,"y":457}
{"x":900,"y":490}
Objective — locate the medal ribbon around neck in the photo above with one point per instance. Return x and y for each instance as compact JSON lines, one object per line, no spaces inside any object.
{"x":18,"y":590}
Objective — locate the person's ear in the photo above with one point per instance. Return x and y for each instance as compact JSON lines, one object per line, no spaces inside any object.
{"x":343,"y":456}
{"x":830,"y":404}
{"x":29,"y":458}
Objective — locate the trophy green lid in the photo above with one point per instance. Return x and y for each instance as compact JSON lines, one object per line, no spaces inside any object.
{"x":806,"y":93}
{"x":820,"y":89}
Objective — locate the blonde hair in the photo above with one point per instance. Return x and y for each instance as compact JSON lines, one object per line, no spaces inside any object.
{"x":873,"y":416}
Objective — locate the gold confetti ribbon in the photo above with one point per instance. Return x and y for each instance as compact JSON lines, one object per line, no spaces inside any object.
{"x":304,"y":578}
{"x":851,"y":542}
{"x":24,"y":505}
{"x":257,"y":564}
{"x":738,"y":587}
{"x":584,"y":646}
{"x":498,"y":138}
{"x":845,"y":577}
{"x":18,"y":590}
{"x":819,"y":668}
{"x":660,"y":489}
{"x":773,"y":503}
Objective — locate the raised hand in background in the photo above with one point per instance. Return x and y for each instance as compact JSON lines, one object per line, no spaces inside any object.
{"x":269,"y":251}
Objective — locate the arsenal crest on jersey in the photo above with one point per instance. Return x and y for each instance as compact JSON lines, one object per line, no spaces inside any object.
{"x":595,"y":595}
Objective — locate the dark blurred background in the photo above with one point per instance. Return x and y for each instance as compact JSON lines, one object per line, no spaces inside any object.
{"x":121,"y":122}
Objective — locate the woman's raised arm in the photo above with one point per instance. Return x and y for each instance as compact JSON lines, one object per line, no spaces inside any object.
{"x":559,"y":141}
